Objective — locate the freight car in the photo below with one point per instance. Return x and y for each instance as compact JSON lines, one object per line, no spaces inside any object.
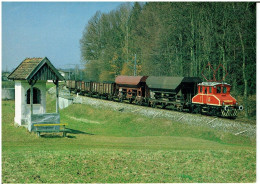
{"x":105,"y":90}
{"x":71,"y":85}
{"x":172,"y":91}
{"x":132,"y":88}
{"x":182,"y":93}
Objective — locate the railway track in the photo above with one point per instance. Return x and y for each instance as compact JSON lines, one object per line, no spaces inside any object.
{"x":236,"y":127}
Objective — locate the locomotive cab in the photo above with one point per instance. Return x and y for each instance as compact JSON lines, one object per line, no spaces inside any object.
{"x":214,"y":98}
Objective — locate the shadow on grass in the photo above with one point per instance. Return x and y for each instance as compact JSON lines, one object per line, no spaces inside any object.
{"x":72,"y":131}
{"x":68,"y":130}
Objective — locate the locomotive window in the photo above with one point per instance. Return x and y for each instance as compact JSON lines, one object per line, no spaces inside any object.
{"x":206,"y":90}
{"x":224,"y":89}
{"x":210,"y":89}
{"x":201,"y":89}
{"x":218,"y":89}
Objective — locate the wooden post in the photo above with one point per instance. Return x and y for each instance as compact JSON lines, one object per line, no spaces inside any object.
{"x":31,"y":99}
{"x":57,"y":96}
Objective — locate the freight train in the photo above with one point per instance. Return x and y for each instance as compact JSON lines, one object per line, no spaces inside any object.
{"x":188,"y":94}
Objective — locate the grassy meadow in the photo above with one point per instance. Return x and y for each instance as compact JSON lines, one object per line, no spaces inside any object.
{"x":108,"y":146}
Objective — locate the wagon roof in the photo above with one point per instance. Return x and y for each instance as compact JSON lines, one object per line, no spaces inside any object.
{"x":35,"y":69}
{"x":169,"y":82}
{"x":130,"y":80}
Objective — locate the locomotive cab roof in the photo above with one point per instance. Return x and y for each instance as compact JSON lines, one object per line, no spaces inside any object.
{"x":213,"y":84}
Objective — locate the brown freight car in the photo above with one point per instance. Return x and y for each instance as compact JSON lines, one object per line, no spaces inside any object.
{"x":132,"y":88}
{"x":86,"y":87}
{"x":78,"y":86}
{"x":71,"y":84}
{"x":103,"y":89}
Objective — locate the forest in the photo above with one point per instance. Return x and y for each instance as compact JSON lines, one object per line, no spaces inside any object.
{"x":175,"y":39}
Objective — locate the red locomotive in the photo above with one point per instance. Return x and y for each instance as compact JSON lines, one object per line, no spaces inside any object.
{"x":214,"y":98}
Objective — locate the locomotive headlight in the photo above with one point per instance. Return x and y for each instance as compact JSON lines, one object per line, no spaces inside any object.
{"x":236,"y":104}
{"x":223,"y":103}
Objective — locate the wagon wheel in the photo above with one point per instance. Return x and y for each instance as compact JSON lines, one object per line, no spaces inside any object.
{"x":214,"y":112}
{"x":198,"y":110}
{"x":223,"y":113}
{"x":138,"y":102}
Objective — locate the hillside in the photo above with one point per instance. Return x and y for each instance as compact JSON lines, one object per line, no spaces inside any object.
{"x":109,"y":146}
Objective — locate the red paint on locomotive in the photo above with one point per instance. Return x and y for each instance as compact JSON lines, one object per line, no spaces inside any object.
{"x":214,"y":93}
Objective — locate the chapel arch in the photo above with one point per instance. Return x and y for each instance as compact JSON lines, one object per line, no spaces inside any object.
{"x":36,"y":96}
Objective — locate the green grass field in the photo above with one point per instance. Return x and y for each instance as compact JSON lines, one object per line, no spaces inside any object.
{"x":109,"y":146}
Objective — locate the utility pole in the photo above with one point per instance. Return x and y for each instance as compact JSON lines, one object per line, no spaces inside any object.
{"x":80,"y":74}
{"x":75,"y":72}
{"x":135,"y":66}
{"x":127,"y":41}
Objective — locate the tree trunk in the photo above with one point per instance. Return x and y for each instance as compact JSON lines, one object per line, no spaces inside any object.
{"x":224,"y":62}
{"x":244,"y":75}
{"x":192,"y":45}
{"x":180,"y":56}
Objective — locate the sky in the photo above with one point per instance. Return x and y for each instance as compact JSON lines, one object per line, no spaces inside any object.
{"x":46,"y":29}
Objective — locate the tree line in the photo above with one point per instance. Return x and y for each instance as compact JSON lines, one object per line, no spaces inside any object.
{"x":174,"y":39}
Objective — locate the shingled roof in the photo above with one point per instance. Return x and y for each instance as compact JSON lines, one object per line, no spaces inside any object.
{"x":35,"y":69}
